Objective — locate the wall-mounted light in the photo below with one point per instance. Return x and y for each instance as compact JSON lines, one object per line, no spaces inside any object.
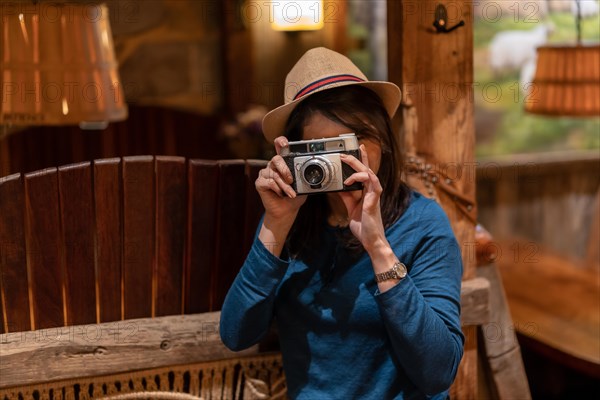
{"x":299,"y":15}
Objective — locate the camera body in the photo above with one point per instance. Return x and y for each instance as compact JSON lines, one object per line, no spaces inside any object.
{"x":316,"y":165}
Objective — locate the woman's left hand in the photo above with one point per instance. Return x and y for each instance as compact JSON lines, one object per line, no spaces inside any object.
{"x":364,"y":212}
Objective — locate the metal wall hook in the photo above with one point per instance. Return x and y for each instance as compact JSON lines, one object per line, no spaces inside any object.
{"x":441,"y":20}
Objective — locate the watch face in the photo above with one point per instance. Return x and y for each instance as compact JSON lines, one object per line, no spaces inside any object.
{"x":400,"y":270}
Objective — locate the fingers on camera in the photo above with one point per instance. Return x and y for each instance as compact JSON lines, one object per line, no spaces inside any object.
{"x":357,"y":177}
{"x":364,"y":156}
{"x":278,"y":164}
{"x":280,"y":142}
{"x":273,"y":180}
{"x":354,"y":163}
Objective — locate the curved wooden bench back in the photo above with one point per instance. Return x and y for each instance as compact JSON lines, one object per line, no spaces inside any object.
{"x":123,"y":238}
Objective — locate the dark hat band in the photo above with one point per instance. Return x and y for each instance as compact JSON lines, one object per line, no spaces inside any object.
{"x":326,"y":81}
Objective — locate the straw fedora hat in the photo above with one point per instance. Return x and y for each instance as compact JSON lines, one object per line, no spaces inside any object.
{"x":321,"y":69}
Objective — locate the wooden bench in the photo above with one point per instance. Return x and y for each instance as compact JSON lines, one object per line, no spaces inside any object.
{"x":118,"y":265}
{"x":113,"y":272}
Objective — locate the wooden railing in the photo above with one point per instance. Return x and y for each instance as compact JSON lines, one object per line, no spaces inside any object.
{"x":548,"y":200}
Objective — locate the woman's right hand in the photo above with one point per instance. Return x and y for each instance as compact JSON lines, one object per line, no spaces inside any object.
{"x":273,"y":185}
{"x":279,"y":199}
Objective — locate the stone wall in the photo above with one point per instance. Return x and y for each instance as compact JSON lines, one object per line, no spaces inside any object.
{"x":169,"y":52}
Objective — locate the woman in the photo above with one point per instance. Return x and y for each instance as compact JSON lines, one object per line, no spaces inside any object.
{"x":331,"y":269}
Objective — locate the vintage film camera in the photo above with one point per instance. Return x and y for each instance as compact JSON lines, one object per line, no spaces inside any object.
{"x":316,"y":165}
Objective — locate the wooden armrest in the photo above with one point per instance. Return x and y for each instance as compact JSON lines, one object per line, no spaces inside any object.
{"x":107,"y":348}
{"x":474,"y":302}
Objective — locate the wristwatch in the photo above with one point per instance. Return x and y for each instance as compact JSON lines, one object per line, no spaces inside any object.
{"x":398,"y":271}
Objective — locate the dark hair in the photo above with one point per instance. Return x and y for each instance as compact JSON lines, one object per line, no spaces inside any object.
{"x":361,"y":110}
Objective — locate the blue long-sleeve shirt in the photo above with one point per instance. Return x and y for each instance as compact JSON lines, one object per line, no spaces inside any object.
{"x":342,"y":339}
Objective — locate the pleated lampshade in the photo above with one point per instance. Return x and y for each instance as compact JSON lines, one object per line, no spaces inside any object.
{"x":567,"y":82}
{"x":59,"y":66}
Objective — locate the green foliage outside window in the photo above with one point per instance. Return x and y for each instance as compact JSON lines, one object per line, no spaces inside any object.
{"x":502,"y":125}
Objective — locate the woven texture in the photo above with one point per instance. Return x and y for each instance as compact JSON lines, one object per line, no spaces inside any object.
{"x":248,"y":378}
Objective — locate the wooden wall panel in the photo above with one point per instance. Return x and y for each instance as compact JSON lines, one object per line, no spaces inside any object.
{"x":147,"y":130}
{"x":13,"y":263}
{"x":230,"y":231}
{"x":138,"y":236}
{"x":203,"y":181}
{"x":171,"y":214}
{"x":77,"y":222}
{"x":109,"y":240}
{"x":43,"y":237}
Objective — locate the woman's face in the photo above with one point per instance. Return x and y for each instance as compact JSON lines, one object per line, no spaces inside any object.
{"x":319,"y":127}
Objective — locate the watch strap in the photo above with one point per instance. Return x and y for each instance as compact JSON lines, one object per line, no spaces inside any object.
{"x":398,"y":271}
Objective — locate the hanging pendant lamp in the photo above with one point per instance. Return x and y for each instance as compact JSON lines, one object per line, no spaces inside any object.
{"x":58,"y":66}
{"x":567,"y":80}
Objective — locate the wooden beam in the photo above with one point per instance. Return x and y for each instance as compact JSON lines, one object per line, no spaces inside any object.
{"x":107,"y":348}
{"x":435,"y":72}
{"x":237,"y":56}
{"x":502,"y":350}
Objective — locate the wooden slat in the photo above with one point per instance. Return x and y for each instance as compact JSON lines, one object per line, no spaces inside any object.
{"x":13,"y":270}
{"x":230,"y":232}
{"x":107,"y":198}
{"x":138,"y":237}
{"x":91,"y":350}
{"x":254,"y":207}
{"x":2,"y":321}
{"x":170,"y":233}
{"x":5,"y":161}
{"x":77,"y":221}
{"x":43,"y":248}
{"x":203,"y":179}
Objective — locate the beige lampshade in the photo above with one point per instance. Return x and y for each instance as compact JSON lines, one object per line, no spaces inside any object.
{"x":567,"y":82}
{"x":59,"y":66}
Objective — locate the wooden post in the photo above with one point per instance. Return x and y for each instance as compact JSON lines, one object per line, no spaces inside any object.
{"x":435,"y":72}
{"x":237,"y":57}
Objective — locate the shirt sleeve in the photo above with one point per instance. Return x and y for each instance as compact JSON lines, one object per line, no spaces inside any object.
{"x":248,"y":308}
{"x":422,"y":312}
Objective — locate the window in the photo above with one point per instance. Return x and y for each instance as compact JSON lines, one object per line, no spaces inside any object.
{"x":506,"y":34}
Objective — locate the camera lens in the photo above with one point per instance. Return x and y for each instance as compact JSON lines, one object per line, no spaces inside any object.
{"x":314,"y":174}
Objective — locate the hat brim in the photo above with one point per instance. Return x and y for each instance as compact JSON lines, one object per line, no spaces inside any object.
{"x":273,"y":123}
